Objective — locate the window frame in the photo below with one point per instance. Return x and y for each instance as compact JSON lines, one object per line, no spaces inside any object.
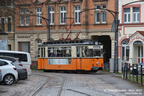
{"x":127,"y":16}
{"x":52,"y":16}
{"x":124,"y":52}
{"x":63,"y":12}
{"x":38,"y":19}
{"x":21,"y":20}
{"x":136,"y":13}
{"x":103,"y":15}
{"x":26,"y":23}
{"x":78,"y":14}
{"x":97,"y":17}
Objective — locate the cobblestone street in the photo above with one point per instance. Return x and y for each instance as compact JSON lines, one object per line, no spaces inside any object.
{"x":68,"y":84}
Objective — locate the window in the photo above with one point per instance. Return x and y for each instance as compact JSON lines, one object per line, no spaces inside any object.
{"x":59,"y":52}
{"x":24,"y":18}
{"x":62,"y":15}
{"x":27,"y":20}
{"x":5,"y":2}
{"x":27,"y":11}
{"x":38,"y":41}
{"x":51,"y":15}
{"x":21,"y":11}
{"x":22,"y":57}
{"x":24,"y":46}
{"x":9,"y":24}
{"x":100,"y":15}
{"x":21,"y":20}
{"x":9,"y":47}
{"x":103,"y":17}
{"x":125,"y":50}
{"x":2,"y":22}
{"x":126,"y":15}
{"x":97,"y":7}
{"x":97,"y":17}
{"x":77,"y":14}
{"x":135,"y":14}
{"x":2,"y":63}
{"x":103,"y":6}
{"x":38,"y":19}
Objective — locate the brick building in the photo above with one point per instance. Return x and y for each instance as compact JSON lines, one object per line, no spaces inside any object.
{"x":7,"y":21}
{"x":93,"y":24}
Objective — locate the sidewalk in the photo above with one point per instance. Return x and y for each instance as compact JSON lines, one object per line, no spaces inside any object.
{"x":122,"y":84}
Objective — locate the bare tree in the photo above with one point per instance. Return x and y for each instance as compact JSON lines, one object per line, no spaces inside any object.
{"x":9,"y":8}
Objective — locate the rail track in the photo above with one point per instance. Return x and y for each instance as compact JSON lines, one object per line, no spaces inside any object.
{"x":51,"y":80}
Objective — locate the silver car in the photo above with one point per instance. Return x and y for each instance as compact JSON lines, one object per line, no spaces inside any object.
{"x":22,"y":71}
{"x":139,"y":69}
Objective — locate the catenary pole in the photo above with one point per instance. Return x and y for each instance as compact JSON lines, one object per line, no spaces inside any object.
{"x":48,"y":23}
{"x":116,"y":38}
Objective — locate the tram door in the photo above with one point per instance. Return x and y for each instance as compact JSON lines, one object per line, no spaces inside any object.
{"x":140,"y":54}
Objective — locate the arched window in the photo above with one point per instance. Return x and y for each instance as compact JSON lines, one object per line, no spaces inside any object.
{"x":125,"y":50}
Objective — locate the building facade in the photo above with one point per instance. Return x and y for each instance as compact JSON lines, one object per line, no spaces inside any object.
{"x":93,"y":24}
{"x":131,"y":31}
{"x":7,"y":21}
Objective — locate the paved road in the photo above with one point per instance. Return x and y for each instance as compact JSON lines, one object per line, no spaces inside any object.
{"x":65,"y":84}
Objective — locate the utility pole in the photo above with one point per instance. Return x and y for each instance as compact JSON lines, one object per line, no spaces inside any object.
{"x":48,"y":23}
{"x":116,"y":38}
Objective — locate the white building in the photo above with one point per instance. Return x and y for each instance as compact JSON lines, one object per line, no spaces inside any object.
{"x":131,"y":31}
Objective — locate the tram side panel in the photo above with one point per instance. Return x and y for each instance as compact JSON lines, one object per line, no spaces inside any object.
{"x":92,"y":64}
{"x":78,"y":64}
{"x":53,"y":66}
{"x":40,"y":63}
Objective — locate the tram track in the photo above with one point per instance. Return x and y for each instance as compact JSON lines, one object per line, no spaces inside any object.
{"x":57,"y":82}
{"x":50,"y":79}
{"x":47,"y":81}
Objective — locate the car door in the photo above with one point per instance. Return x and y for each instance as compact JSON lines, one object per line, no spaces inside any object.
{"x":4,"y":68}
{"x":0,"y":75}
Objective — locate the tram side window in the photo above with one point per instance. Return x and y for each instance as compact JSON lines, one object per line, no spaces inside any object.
{"x":44,"y":52}
{"x":68,"y":52}
{"x":59,"y":52}
{"x":38,"y":52}
{"x":41,"y":52}
{"x":51,"y":52}
{"x":87,"y":52}
{"x":78,"y":51}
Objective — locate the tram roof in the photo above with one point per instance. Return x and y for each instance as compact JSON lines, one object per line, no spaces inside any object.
{"x":68,"y":42}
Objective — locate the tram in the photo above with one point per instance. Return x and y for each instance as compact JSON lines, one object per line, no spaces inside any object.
{"x":71,"y":56}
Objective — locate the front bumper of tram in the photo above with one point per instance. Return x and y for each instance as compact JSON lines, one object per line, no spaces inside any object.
{"x":95,"y":68}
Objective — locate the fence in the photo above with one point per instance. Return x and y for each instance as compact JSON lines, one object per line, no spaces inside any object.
{"x":133,"y":73}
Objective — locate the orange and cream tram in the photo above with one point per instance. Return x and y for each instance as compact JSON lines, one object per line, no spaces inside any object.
{"x":72,"y":56}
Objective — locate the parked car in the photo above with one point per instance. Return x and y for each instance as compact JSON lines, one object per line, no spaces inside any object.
{"x":24,"y":58}
{"x":132,"y":71}
{"x":139,"y":69}
{"x":22,"y":71}
{"x":0,"y":74}
{"x":135,"y":71}
{"x":8,"y":71}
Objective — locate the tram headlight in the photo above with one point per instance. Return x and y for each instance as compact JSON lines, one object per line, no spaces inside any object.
{"x":97,"y":63}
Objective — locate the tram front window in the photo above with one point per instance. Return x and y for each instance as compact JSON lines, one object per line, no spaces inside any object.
{"x":97,"y":52}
